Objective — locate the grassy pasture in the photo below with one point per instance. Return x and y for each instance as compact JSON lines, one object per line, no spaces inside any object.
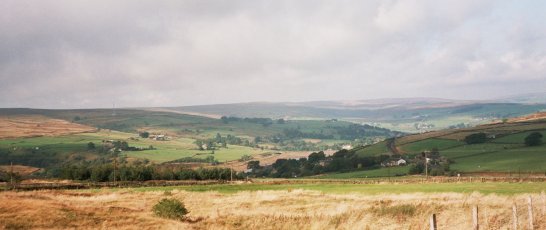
{"x":163,"y":154}
{"x":494,"y":157}
{"x":164,"y":150}
{"x":373,"y":150}
{"x":428,"y":144}
{"x":518,"y":138}
{"x":369,"y":189}
{"x":381,"y":172}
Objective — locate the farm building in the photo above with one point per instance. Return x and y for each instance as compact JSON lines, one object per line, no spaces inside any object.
{"x":391,"y":163}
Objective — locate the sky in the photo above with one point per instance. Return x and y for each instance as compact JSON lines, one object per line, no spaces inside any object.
{"x":92,"y":54}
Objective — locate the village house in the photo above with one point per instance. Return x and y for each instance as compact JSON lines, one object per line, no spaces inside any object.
{"x":391,"y":163}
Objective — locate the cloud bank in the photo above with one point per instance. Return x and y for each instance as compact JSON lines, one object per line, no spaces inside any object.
{"x":81,"y":54}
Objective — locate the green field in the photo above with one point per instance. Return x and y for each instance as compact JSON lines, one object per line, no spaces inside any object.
{"x":516,"y":138}
{"x":429,"y":144}
{"x":370,"y":189}
{"x":505,"y":153}
{"x":381,"y":172}
{"x":164,"y":153}
{"x":493,"y":157}
{"x":373,"y":150}
{"x":163,"y":150}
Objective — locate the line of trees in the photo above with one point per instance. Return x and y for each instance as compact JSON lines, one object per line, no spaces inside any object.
{"x":256,"y":120}
{"x":103,"y":173}
{"x":317,"y":163}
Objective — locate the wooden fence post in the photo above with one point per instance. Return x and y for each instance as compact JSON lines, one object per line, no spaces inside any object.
{"x":530,"y":207}
{"x":433,"y":225}
{"x":515,"y":216}
{"x":543,"y":203}
{"x":475,"y":218}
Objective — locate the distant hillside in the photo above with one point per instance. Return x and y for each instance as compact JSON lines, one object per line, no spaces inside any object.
{"x":407,"y":115}
{"x":51,"y":138}
{"x":504,"y":150}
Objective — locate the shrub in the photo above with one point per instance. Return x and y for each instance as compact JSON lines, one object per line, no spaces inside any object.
{"x":170,"y":209}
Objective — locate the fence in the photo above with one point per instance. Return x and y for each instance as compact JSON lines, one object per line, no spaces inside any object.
{"x":517,"y":223}
{"x":160,"y":183}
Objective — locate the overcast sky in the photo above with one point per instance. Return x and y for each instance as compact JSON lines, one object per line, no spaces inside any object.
{"x":81,"y":54}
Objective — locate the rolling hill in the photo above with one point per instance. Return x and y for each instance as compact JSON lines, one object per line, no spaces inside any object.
{"x":52,"y":138}
{"x":405,"y":114}
{"x":504,"y":151}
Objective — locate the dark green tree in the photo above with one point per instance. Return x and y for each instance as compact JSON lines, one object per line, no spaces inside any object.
{"x":144,"y":134}
{"x":475,"y":138}
{"x":253,"y":165}
{"x":534,"y":139}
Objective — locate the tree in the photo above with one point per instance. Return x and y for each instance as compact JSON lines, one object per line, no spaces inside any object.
{"x":533,"y":139}
{"x":90,"y":145}
{"x":416,"y":168}
{"x":475,"y":138}
{"x":144,"y":134}
{"x":280,"y":121}
{"x":316,"y":157}
{"x":253,"y":165}
{"x":257,"y":139}
{"x":199,"y":144}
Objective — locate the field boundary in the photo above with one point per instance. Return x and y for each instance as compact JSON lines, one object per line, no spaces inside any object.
{"x":136,"y":184}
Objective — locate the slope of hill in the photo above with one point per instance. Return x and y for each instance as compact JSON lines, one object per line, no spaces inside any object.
{"x":407,"y":115}
{"x":187,"y":138}
{"x":504,"y":151}
{"x":37,"y":125}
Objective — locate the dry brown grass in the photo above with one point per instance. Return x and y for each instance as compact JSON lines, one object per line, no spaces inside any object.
{"x":530,"y":117}
{"x":293,"y":209}
{"x":36,"y":125}
{"x":19,"y":169}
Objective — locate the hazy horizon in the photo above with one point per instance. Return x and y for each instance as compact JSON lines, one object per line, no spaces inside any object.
{"x":77,"y":54}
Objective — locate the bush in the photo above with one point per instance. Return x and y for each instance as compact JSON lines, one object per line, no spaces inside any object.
{"x":170,"y":209}
{"x":534,"y":139}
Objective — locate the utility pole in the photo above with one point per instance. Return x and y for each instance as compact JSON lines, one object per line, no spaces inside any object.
{"x":426,"y":165}
{"x":115,"y":166}
{"x":11,"y":174}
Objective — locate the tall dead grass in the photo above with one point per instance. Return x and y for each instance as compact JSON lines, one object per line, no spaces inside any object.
{"x":296,"y":209}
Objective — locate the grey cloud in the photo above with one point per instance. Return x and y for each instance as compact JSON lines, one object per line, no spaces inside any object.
{"x":67,"y":54}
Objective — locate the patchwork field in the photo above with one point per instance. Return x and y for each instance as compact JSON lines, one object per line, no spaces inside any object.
{"x":300,"y":206}
{"x":163,"y":150}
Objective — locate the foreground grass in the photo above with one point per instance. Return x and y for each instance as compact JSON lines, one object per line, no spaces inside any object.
{"x":258,"y":206}
{"x":369,"y":189}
